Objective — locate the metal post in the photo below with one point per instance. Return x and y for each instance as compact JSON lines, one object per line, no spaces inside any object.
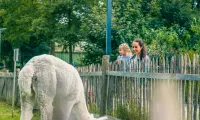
{"x":108,"y":26}
{"x":16,"y":52}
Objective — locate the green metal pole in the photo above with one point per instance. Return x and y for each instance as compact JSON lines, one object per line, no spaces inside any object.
{"x":108,"y":26}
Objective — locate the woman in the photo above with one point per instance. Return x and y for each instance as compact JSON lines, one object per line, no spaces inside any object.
{"x":140,"y":55}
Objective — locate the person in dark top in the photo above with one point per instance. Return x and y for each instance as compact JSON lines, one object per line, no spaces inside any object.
{"x":140,"y":55}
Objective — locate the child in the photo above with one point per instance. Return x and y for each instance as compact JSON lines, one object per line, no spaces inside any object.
{"x":125,"y":54}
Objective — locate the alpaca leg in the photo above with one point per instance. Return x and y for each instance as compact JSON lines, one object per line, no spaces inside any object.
{"x":81,"y":110}
{"x":63,"y":109}
{"x":27,"y":103}
{"x":66,"y":110}
{"x":82,"y":113}
{"x":64,"y":106}
{"x":73,"y":115}
{"x":45,"y":92}
{"x":46,"y":107}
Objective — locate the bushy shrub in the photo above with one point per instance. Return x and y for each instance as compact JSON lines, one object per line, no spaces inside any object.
{"x":92,"y":108}
{"x":130,"y":112}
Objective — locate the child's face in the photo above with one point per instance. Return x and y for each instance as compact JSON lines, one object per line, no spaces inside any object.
{"x":122,"y":52}
{"x":136,"y":48}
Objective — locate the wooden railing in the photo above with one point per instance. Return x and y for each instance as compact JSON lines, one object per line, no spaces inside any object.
{"x":108,"y":85}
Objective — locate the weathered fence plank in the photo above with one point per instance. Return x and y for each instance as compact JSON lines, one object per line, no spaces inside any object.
{"x":105,"y":68}
{"x":176,"y":70}
{"x":106,"y":87}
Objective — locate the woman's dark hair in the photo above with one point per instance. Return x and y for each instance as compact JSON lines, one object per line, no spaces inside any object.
{"x":143,"y":51}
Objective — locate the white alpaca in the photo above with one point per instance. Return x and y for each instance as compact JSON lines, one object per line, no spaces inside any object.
{"x":53,"y":83}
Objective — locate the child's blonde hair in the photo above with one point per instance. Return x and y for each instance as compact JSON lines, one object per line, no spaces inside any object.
{"x":126,"y":48}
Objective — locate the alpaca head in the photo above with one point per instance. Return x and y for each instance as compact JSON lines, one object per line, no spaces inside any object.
{"x":25,"y":80}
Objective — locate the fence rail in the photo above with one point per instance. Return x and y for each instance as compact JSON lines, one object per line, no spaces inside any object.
{"x":123,"y":86}
{"x":107,"y":86}
{"x":171,"y":76}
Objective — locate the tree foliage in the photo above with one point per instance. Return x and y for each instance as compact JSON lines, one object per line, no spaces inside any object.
{"x":166,"y":26}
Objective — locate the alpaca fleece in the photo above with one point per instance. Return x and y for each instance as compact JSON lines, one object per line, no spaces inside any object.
{"x":56,"y":86}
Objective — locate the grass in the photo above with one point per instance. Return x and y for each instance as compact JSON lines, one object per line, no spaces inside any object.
{"x":129,"y":111}
{"x":6,"y":112}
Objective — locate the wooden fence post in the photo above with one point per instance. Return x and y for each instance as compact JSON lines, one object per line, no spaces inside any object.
{"x":105,"y":68}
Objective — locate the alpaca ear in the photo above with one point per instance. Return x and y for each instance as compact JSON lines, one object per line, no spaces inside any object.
{"x":25,"y":80}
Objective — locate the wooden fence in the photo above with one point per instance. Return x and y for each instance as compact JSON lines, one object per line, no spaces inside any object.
{"x":6,"y":85}
{"x":108,"y":85}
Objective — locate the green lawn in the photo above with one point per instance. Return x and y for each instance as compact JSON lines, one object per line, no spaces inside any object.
{"x":6,"y":112}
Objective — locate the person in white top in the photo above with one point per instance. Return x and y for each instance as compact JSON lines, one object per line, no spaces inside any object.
{"x":125,"y":56}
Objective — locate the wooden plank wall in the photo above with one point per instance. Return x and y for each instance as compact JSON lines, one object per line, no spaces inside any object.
{"x":138,"y":87}
{"x":135,"y":86}
{"x":6,"y":85}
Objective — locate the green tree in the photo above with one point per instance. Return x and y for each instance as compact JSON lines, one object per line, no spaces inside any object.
{"x":94,"y":34}
{"x":61,"y":22}
{"x":17,"y":17}
{"x":170,"y":24}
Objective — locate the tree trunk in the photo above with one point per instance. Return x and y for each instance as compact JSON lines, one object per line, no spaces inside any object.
{"x":70,"y":52}
{"x":198,"y":4}
{"x":52,"y":51}
{"x":21,"y":57}
{"x":70,"y":40}
{"x":193,"y":5}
